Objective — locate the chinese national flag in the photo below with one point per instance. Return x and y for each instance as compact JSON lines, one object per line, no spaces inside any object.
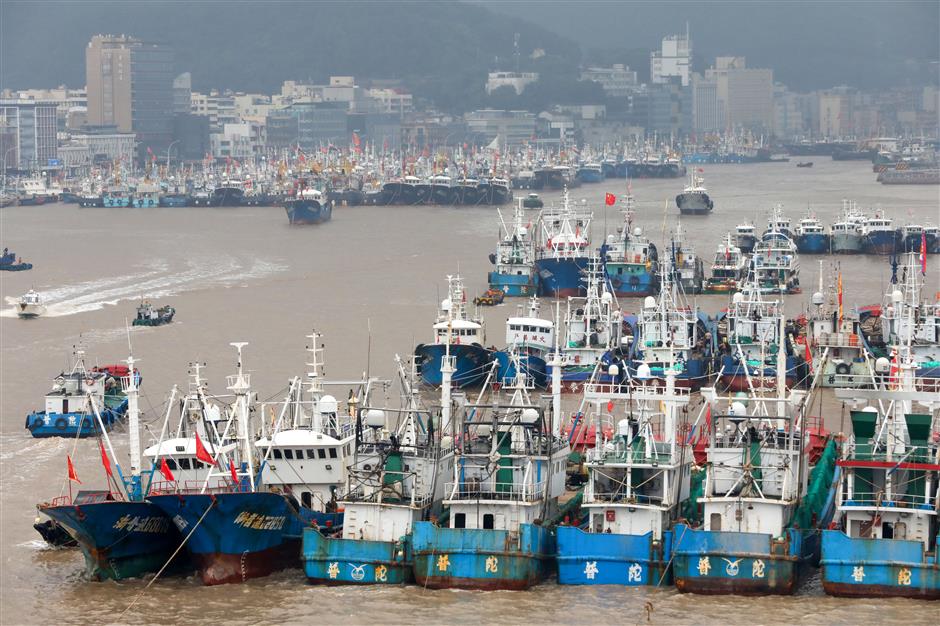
{"x":610,"y":406}
{"x":201,"y":453}
{"x":165,"y":470}
{"x":610,"y":199}
{"x":923,"y":253}
{"x":72,"y":474}
{"x":231,"y":468}
{"x":104,"y":459}
{"x":809,"y":354}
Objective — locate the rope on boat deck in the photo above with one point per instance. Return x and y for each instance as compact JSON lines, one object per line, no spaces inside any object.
{"x":170,"y":560}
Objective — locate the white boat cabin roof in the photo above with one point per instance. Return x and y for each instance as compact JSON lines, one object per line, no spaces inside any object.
{"x":184,"y":446}
{"x":530,"y":321}
{"x":457,"y":325}
{"x":299,"y":437}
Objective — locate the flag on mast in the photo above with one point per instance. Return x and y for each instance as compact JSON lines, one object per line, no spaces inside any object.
{"x":72,"y":474}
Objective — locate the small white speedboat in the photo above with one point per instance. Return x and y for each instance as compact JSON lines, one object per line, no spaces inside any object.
{"x":30,"y":305}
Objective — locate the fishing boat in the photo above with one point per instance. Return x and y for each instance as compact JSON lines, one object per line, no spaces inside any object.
{"x":778,"y":222}
{"x":775,"y":264}
{"x":672,"y":338}
{"x":308,"y":206}
{"x":500,"y":191}
{"x":120,"y":533}
{"x":686,"y":267}
{"x":630,"y":259}
{"x":878,"y":235}
{"x":909,"y":319}
{"x":811,"y":237}
{"x":762,"y":507}
{"x":694,"y":198}
{"x":30,"y":305}
{"x":149,"y":315}
{"x":75,"y":398}
{"x":832,"y":339}
{"x":529,"y":339}
{"x":932,"y":239}
{"x":595,"y":345}
{"x":515,"y":273}
{"x":10,"y":263}
{"x":591,"y":173}
{"x":242,"y":529}
{"x":458,"y":334}
{"x":910,"y":237}
{"x":745,"y":237}
{"x":228,"y":193}
{"x":116,"y":195}
{"x":729,"y":269}
{"x":146,"y":196}
{"x":752,"y":341}
{"x":395,"y":479}
{"x":637,"y":480}
{"x":504,"y":490}
{"x":532,"y":201}
{"x":844,"y":235}
{"x":883,"y":542}
{"x":442,"y":190}
{"x":563,"y":251}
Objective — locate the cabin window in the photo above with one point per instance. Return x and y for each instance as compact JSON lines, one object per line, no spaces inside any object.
{"x":277,"y":453}
{"x":171,"y":463}
{"x":306,"y":500}
{"x":289,"y":455}
{"x":488,"y":521}
{"x":299,"y":454}
{"x":332,"y":453}
{"x":65,"y":405}
{"x":887,"y":531}
{"x":321,"y":452}
{"x":620,"y":270}
{"x":460,"y":520}
{"x":184,"y":463}
{"x":715,"y":522}
{"x":310,"y":453}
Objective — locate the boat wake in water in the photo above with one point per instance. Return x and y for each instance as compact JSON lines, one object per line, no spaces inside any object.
{"x":160,"y":280}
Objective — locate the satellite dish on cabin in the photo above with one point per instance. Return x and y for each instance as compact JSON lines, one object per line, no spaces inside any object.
{"x":643,"y":371}
{"x":327,"y":404}
{"x":818,"y":298}
{"x":737,"y":298}
{"x":649,"y":302}
{"x":529,"y":416}
{"x":375,"y":418}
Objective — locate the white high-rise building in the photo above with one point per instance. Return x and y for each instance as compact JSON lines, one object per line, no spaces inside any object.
{"x":673,"y":60}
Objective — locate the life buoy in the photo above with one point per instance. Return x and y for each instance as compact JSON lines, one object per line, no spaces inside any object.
{"x":61,"y":423}
{"x":843,"y":369}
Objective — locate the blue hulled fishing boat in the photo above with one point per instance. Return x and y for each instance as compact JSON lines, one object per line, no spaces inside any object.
{"x":252,"y":525}
{"x":564,"y":250}
{"x":509,"y":476}
{"x":308,"y":206}
{"x":630,"y":259}
{"x":396,"y":478}
{"x":515,"y":273}
{"x":120,"y":534}
{"x":884,"y":540}
{"x":596,"y":346}
{"x":10,"y":263}
{"x":529,"y":339}
{"x":82,"y":403}
{"x":811,"y":237}
{"x":750,"y":342}
{"x":636,"y":481}
{"x":762,"y":509}
{"x":460,"y":336}
{"x":878,"y":235}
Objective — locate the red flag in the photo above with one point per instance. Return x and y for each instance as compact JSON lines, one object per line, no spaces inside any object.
{"x":201,"y":453}
{"x":923,"y":253}
{"x":809,"y":355}
{"x":231,"y":468}
{"x":610,"y":199}
{"x":72,"y":474}
{"x":165,"y":470}
{"x":701,"y":170}
{"x":104,"y":459}
{"x":610,"y":406}
{"x":698,"y":450}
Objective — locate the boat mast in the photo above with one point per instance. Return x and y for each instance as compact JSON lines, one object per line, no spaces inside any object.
{"x":239,"y":385}
{"x":133,"y":426}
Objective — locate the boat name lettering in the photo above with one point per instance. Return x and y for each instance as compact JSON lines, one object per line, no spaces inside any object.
{"x":858,"y":573}
{"x":757,"y":569}
{"x":139,"y":524}
{"x":180,"y":522}
{"x":704,"y":566}
{"x":492,"y":564}
{"x":590,"y":569}
{"x":333,"y":570}
{"x":634,"y":573}
{"x":257,"y":521}
{"x":904,"y":576}
{"x":381,"y":574}
{"x":443,"y":562}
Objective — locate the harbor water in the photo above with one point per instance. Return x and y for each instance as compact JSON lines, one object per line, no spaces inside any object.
{"x":370,"y":280}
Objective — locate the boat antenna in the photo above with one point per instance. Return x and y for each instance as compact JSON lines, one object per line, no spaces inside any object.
{"x":369,"y":349}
